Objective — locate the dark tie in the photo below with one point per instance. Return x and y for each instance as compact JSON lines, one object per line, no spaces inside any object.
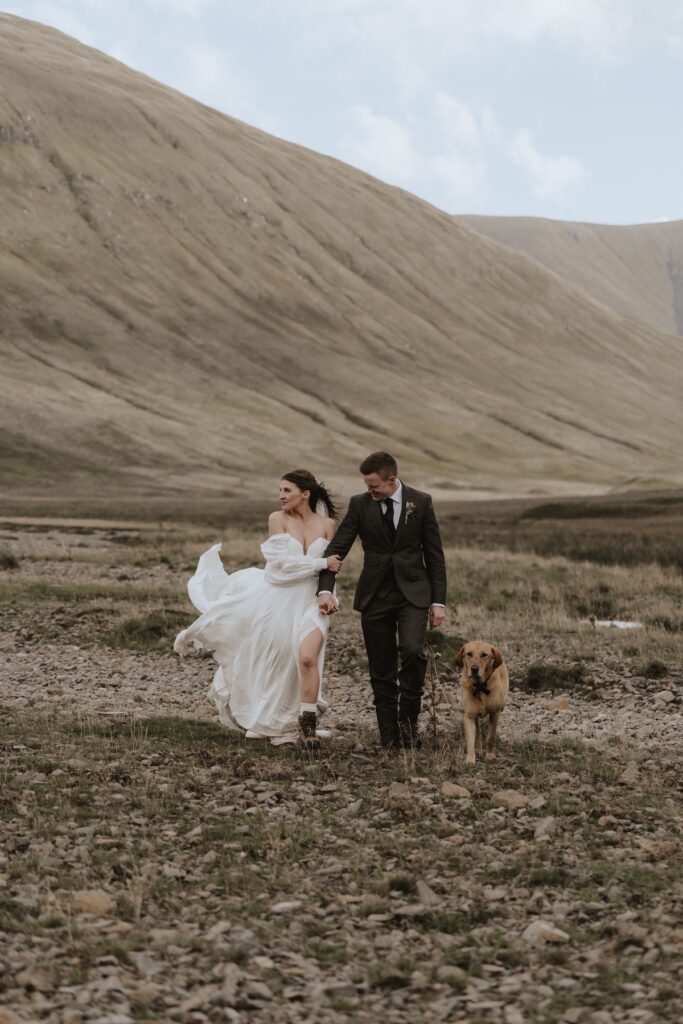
{"x":389,"y":516}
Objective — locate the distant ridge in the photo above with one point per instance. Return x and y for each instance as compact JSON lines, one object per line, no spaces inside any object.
{"x":190,"y":305}
{"x":636,"y":270}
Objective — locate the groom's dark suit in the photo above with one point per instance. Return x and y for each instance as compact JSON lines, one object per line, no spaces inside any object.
{"x":403,"y":574}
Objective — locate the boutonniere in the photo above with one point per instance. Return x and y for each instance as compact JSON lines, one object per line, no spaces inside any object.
{"x":410,"y":510}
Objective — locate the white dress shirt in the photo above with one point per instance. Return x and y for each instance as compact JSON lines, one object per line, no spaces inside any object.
{"x":397,"y":498}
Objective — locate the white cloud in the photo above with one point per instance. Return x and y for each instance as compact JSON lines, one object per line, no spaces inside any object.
{"x":448,"y":146}
{"x":550,"y":176}
{"x":58,"y":15}
{"x":425,"y":33}
{"x":673,"y":37}
{"x":462,"y":165}
{"x":382,"y":146}
{"x":598,"y":29}
{"x":211,"y":75}
{"x":190,"y":7}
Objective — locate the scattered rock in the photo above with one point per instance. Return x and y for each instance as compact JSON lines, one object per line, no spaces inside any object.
{"x":287,"y":907}
{"x":426,"y":895}
{"x":9,"y":1017}
{"x":242,"y":940}
{"x":341,"y":990}
{"x":219,"y":928}
{"x":630,"y":775}
{"x":513,"y":1015}
{"x":451,"y":975}
{"x":259,"y":990}
{"x":494,"y":893}
{"x":399,"y":793}
{"x":561,"y":704}
{"x":146,"y":994}
{"x":145,"y":964}
{"x":38,"y":979}
{"x":410,"y":910}
{"x":509,"y":799}
{"x":544,"y":827}
{"x":539,"y":932}
{"x":450,"y":789}
{"x":401,"y":797}
{"x":93,"y":901}
{"x":421,"y":781}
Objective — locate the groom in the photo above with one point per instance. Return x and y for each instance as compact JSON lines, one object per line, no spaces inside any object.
{"x":401,"y":587}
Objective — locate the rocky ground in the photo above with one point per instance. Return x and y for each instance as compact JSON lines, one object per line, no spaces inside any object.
{"x":154,"y":867}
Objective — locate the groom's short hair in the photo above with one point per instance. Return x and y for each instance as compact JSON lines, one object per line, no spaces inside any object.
{"x":379,"y":462}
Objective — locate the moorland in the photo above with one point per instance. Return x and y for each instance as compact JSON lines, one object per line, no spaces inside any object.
{"x":155,"y":867}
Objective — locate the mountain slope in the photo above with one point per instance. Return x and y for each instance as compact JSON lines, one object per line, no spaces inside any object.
{"x":636,"y":270}
{"x":190,"y":303}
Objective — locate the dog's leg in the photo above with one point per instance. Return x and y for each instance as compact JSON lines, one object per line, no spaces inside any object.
{"x":493,"y":727}
{"x":470,"y":735}
{"x":480,"y":736}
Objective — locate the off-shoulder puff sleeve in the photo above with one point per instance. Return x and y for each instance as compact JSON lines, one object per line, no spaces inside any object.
{"x":283,"y":566}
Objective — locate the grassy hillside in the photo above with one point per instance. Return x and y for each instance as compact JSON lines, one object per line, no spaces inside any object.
{"x":190,"y":305}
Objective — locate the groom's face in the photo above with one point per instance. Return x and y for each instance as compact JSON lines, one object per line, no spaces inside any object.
{"x":378,"y":487}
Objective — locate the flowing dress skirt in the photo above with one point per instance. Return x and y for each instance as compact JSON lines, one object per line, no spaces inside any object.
{"x":254,"y":621}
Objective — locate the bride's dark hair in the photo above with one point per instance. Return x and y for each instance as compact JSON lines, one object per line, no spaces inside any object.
{"x":305,"y":481}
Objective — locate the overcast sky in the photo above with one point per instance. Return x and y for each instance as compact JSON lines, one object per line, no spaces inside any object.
{"x":550,"y":108}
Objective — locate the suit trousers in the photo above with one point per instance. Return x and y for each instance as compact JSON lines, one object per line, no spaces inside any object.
{"x":396,"y":690}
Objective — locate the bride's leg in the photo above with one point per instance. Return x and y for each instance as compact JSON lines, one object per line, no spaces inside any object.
{"x":309,"y":652}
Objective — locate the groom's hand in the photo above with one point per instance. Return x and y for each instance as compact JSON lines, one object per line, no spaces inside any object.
{"x":437,"y":616}
{"x":327,"y":604}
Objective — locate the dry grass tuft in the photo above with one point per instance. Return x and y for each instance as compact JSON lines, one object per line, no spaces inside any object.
{"x":8,"y":560}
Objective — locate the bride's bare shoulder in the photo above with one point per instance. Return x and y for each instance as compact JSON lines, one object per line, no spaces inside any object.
{"x":276,"y":523}
{"x":330,"y":528}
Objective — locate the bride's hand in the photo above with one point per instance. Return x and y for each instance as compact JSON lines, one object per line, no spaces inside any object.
{"x":334,"y":563}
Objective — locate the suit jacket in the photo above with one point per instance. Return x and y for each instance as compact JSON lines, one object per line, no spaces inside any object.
{"x":415,"y":554}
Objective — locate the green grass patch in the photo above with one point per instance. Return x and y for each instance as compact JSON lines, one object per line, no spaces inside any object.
{"x":33,"y":591}
{"x":542,"y":675}
{"x":8,"y":560}
{"x":152,"y":631}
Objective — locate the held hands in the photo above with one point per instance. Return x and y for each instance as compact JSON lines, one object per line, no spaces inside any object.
{"x":327,"y":604}
{"x":437,"y":616}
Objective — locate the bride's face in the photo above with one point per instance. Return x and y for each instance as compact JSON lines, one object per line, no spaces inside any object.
{"x":292,"y":498}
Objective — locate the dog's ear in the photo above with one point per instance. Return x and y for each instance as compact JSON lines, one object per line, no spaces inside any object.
{"x":497,"y":657}
{"x":460,"y":657}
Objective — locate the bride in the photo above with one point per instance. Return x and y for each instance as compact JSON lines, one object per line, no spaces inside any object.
{"x":263,"y":625}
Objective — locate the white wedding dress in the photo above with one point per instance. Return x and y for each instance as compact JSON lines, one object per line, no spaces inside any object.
{"x":254,"y":621}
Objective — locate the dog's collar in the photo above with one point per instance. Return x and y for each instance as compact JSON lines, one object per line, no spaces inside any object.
{"x":480,"y":686}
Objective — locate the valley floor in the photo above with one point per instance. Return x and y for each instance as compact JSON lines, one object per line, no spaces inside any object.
{"x":155,"y":867}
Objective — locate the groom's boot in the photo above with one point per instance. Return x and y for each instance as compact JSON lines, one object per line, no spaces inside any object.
{"x":408,"y":713}
{"x":410,"y":737}
{"x":387,"y":723}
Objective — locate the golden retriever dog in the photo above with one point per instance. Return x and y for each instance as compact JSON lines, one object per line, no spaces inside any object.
{"x":483,"y":691}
